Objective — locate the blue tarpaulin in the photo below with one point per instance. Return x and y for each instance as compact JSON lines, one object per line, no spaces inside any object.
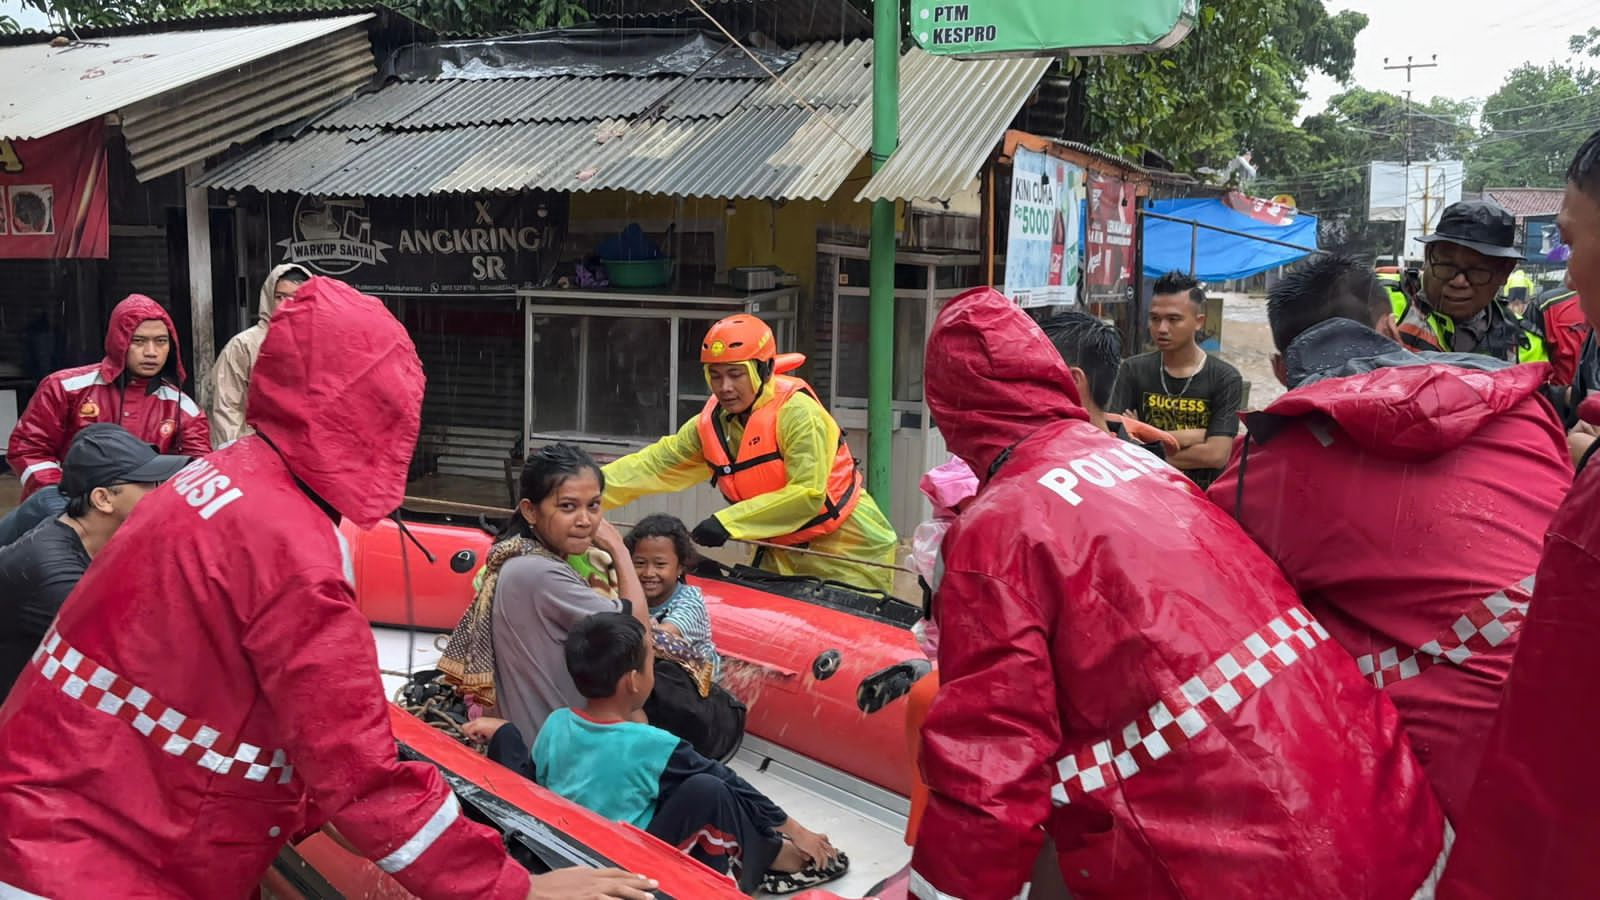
{"x":1219,"y":256}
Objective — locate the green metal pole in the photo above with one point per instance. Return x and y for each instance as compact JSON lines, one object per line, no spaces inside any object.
{"x":880,"y":323}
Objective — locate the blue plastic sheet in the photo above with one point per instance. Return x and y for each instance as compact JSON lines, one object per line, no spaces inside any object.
{"x":1219,"y":256}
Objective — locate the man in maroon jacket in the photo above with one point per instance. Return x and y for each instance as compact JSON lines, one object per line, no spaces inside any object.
{"x":1405,"y":495}
{"x":211,"y":689}
{"x":139,"y":385}
{"x":1531,"y":826}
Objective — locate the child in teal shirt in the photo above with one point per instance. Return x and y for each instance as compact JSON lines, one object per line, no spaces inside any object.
{"x":605,"y":758}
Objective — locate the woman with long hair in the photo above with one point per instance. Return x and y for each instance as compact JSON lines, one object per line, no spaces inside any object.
{"x":557,"y":561}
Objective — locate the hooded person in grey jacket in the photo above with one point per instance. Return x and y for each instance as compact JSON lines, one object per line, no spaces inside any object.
{"x":230,"y":384}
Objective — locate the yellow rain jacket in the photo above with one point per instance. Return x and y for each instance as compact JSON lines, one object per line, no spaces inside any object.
{"x":676,"y":462}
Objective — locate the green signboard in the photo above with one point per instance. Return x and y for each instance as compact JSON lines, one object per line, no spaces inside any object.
{"x":1084,"y":27}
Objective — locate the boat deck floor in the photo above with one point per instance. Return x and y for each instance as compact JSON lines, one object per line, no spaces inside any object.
{"x":862,"y":821}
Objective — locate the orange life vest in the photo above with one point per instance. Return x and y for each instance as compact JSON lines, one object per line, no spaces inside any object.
{"x":757,"y":468}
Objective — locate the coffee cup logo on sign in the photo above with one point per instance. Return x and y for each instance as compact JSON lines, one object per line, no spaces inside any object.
{"x":333,"y":236}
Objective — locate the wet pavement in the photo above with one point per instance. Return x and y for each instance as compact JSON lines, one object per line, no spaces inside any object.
{"x":1247,"y":344}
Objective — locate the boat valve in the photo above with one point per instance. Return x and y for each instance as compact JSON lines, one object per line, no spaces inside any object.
{"x":825,"y":665}
{"x":463,"y":561}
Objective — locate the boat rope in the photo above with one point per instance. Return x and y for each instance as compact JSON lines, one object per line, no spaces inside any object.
{"x":766,"y":545}
{"x":433,"y":711}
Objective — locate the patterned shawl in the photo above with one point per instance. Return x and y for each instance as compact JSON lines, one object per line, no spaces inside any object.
{"x":468,"y":661}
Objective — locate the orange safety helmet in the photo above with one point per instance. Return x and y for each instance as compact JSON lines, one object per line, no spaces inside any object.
{"x":737,"y":339}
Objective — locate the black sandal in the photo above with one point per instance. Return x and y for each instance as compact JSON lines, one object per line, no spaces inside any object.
{"x":809,"y":877}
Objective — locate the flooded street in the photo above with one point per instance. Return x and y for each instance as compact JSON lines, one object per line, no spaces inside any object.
{"x":1247,"y":344}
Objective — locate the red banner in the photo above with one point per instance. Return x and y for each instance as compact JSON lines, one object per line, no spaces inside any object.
{"x":1110,"y":245}
{"x":53,"y":202}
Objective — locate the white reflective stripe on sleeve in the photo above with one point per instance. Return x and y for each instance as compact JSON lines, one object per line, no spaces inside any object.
{"x":38,"y":467}
{"x":79,"y":382}
{"x":9,"y":892}
{"x":179,"y":397}
{"x":344,"y":556}
{"x":419,"y":843}
{"x":1430,"y":885}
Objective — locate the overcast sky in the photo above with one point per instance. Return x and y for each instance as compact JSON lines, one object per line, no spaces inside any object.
{"x":28,"y":17}
{"x":1478,"y":42}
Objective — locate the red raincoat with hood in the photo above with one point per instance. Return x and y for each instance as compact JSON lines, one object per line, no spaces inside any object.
{"x":1531,"y":826}
{"x":156,"y":410}
{"x":1123,"y":670}
{"x":1406,"y":497}
{"x":211,"y":678}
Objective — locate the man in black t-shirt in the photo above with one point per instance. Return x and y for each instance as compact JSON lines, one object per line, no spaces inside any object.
{"x":106,"y":472}
{"x":1179,"y":388}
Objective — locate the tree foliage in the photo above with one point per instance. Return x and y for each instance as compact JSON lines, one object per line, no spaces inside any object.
{"x":1326,"y":169}
{"x":1535,"y":120}
{"x":445,"y":16}
{"x":1237,"y":77}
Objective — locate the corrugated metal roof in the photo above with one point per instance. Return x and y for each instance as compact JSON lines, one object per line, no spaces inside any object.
{"x":714,"y":139}
{"x":392,"y":104}
{"x":703,"y":97}
{"x":952,"y":112}
{"x":1525,"y":202}
{"x":187,"y":125}
{"x":830,"y":74}
{"x":74,"y":84}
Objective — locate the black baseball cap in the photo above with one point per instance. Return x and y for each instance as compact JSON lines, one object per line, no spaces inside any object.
{"x":103,"y":454}
{"x":1481,"y":225}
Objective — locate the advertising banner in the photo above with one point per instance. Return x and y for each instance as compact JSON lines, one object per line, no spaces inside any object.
{"x":1043,"y":242}
{"x":1108,"y":275}
{"x":484,"y":246}
{"x":1543,"y":241}
{"x":1084,"y":27}
{"x":53,"y":202}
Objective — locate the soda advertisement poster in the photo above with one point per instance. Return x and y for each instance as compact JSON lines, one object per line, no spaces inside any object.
{"x":53,"y":202}
{"x":1108,"y":273}
{"x":1043,"y":242}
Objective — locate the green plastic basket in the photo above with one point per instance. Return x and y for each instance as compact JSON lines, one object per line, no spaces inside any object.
{"x":638,"y":273}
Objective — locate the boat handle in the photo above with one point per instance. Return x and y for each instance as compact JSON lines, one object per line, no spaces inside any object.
{"x":890,"y":683}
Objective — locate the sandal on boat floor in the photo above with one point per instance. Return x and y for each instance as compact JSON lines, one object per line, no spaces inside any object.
{"x":809,"y":877}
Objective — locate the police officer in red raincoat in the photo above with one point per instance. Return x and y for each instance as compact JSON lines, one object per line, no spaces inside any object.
{"x":210,"y":690}
{"x":1124,"y":672}
{"x":1406,"y":496}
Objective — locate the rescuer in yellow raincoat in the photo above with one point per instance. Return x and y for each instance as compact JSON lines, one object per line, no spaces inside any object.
{"x":778,"y":457}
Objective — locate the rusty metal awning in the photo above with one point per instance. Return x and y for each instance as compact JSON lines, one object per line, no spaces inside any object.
{"x":184,"y":95}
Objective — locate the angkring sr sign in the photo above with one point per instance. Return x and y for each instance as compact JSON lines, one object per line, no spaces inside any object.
{"x":431,"y":245}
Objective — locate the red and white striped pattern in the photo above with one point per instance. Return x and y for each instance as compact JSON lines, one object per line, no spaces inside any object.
{"x":1482,"y":628}
{"x":183,"y":736}
{"x":1189,"y":709}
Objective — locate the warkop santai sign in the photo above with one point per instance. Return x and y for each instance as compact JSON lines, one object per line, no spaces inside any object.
{"x":482,"y":246}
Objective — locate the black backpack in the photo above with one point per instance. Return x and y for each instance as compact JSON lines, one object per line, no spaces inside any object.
{"x":713,"y":725}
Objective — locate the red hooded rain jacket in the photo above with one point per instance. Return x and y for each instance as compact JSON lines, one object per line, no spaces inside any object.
{"x":156,"y":410}
{"x":1531,"y":826}
{"x":211,"y":677}
{"x":1407,"y":505}
{"x":1123,"y":670}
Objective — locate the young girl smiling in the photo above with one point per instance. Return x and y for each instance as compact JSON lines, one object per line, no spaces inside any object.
{"x":662,"y":555}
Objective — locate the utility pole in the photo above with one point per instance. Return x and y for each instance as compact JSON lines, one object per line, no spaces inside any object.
{"x":880,"y":316}
{"x":1409,"y":67}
